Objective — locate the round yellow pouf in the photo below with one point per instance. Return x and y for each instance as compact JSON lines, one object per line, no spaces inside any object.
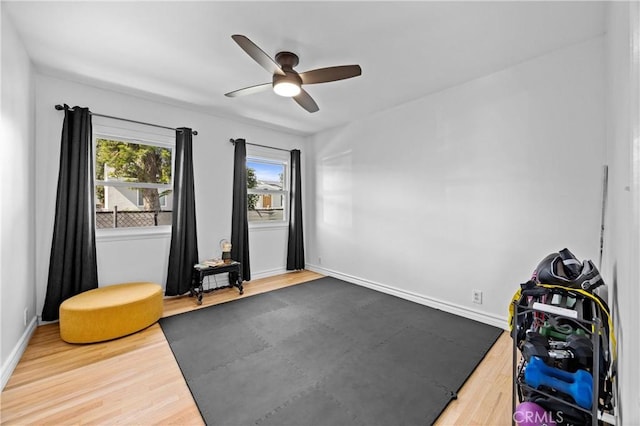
{"x":110,"y":312}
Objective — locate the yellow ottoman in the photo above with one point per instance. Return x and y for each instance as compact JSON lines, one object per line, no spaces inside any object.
{"x":110,"y":312}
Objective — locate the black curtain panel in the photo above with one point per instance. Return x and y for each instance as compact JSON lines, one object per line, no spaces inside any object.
{"x":183,"y":252}
{"x":239,"y":221}
{"x":72,"y":264}
{"x":295,"y":248}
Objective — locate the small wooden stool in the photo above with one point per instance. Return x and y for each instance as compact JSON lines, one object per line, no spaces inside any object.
{"x":110,"y":312}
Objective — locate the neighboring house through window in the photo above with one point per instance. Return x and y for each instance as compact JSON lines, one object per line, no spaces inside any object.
{"x":163,"y":199}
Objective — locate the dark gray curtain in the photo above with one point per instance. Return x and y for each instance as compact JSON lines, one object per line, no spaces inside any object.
{"x":72,"y":264}
{"x":183,"y":252}
{"x":295,"y":248}
{"x":239,"y":222}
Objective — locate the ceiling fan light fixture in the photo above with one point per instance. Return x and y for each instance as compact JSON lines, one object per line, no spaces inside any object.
{"x":286,"y":89}
{"x":287,"y":85}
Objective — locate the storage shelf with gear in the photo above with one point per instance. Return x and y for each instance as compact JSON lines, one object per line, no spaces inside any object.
{"x":564,"y":348}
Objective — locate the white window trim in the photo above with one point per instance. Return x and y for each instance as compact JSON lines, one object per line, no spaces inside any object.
{"x":105,"y":128}
{"x":273,"y":157}
{"x":125,"y":234}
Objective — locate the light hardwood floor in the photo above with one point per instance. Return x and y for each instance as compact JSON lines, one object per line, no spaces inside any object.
{"x":136,"y":380}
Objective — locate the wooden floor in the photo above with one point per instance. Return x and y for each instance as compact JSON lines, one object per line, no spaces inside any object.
{"x":136,"y":380}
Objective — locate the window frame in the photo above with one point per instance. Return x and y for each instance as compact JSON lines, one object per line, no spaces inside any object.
{"x":270,"y":156}
{"x":136,"y":136}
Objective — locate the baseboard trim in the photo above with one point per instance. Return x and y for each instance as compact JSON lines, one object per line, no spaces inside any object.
{"x":14,"y":357}
{"x":453,"y":308}
{"x":268,"y":273}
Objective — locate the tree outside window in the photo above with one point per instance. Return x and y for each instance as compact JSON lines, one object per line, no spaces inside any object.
{"x":252,"y":182}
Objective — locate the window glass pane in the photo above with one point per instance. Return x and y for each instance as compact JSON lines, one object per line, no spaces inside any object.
{"x":122,"y":207}
{"x":264,"y":175}
{"x":132,"y":162}
{"x":267,"y":190}
{"x":265,"y":207}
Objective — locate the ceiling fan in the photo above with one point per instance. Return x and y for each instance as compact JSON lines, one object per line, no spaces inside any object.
{"x":286,"y":81}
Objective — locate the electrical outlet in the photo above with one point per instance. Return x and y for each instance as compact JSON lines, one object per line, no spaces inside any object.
{"x":476,"y":296}
{"x":319,"y":260}
{"x":25,"y":317}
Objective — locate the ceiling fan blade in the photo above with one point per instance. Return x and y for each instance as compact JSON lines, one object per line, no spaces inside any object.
{"x":257,"y":54}
{"x":324,"y":75}
{"x":249,"y":90}
{"x":306,"y":101}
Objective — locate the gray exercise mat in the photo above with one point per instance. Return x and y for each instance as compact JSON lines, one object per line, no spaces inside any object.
{"x":325,"y":352}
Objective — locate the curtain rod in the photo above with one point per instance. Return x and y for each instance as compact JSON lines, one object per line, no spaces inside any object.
{"x":233,"y":141}
{"x":194,"y":132}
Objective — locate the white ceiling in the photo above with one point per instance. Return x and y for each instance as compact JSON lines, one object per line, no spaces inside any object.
{"x":182,"y":52}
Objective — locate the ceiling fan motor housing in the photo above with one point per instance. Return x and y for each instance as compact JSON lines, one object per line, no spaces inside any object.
{"x":287,"y":60}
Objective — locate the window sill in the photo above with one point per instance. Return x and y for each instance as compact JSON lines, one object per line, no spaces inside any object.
{"x":267,"y":226}
{"x":128,"y":234}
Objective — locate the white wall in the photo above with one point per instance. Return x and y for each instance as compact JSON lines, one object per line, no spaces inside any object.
{"x":464,"y":189}
{"x":17,"y":201}
{"x":146,"y":258}
{"x":621,"y":266}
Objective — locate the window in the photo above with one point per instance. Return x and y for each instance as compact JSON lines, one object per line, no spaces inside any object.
{"x":267,"y":190}
{"x":133,"y":182}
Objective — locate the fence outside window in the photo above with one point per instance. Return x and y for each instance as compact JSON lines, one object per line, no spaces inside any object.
{"x":131,"y":219}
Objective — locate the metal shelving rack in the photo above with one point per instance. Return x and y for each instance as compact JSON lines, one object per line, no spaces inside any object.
{"x":594,"y":327}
